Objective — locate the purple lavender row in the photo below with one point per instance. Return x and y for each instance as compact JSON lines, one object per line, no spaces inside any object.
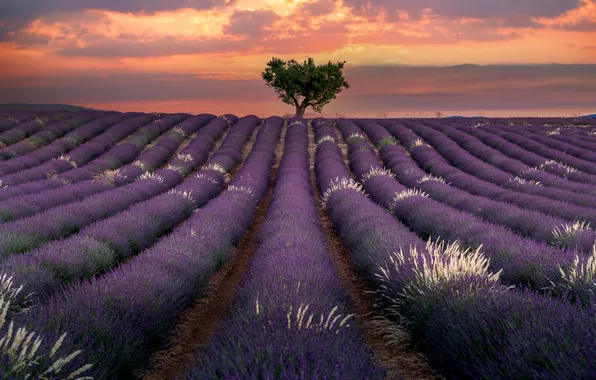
{"x":453,"y":308}
{"x":118,"y":318}
{"x":552,"y":139}
{"x":543,"y":150}
{"x":27,"y":128}
{"x":529,"y":158}
{"x":86,"y":152}
{"x":468,"y":163}
{"x":47,"y":135}
{"x":524,"y":261}
{"x":88,"y":135}
{"x":110,"y":160}
{"x":33,"y":231}
{"x":10,"y":121}
{"x":78,"y":188}
{"x":496,"y":158}
{"x":532,"y":224}
{"x":105,"y":244}
{"x":432,"y":162}
{"x":578,"y":137}
{"x":132,"y":156}
{"x":291,"y":316}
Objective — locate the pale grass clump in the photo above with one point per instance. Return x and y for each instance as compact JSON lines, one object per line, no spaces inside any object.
{"x":152,"y":176}
{"x":9,"y":293}
{"x":561,"y":234}
{"x":67,"y":159}
{"x":323,"y":139}
{"x":579,"y":279}
{"x":302,"y":321}
{"x":521,"y":181}
{"x":430,"y":177}
{"x":140,"y":164}
{"x":401,"y":195}
{"x":185,"y":157}
{"x":178,"y":131}
{"x":2,"y":185}
{"x":215,"y":166}
{"x":417,"y":143}
{"x":386,"y":141}
{"x":20,"y":347}
{"x":555,"y":131}
{"x":203,"y":175}
{"x":297,"y":122}
{"x":483,"y":124}
{"x":108,"y":176}
{"x":72,"y":138}
{"x":176,"y":168}
{"x":184,"y":194}
{"x":2,"y":145}
{"x":441,"y":266}
{"x":553,"y":163}
{"x":373,"y":172}
{"x":593,"y":133}
{"x":243,"y":189}
{"x":41,"y":121}
{"x":355,"y":136}
{"x":13,"y":119}
{"x":340,"y":184}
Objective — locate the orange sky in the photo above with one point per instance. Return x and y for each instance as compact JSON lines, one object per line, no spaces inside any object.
{"x":402,"y":55}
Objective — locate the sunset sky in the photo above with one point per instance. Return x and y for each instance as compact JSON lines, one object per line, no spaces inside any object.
{"x":460,"y":57}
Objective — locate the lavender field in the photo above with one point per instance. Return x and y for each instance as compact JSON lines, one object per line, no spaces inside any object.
{"x":178,"y":246}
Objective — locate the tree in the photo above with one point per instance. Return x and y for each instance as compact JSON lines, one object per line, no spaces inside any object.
{"x":305,"y":84}
{"x":439,"y":114}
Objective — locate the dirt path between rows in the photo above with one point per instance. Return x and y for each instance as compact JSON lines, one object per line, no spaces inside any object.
{"x":200,"y":322}
{"x":389,"y":345}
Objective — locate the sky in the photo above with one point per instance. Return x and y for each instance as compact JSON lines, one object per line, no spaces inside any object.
{"x":403,"y":57}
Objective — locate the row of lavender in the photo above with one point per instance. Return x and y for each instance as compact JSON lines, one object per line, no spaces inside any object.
{"x":523,"y":261}
{"x":119,"y":316}
{"x":291,"y":316}
{"x":104,"y":244}
{"x":106,"y":172}
{"x":449,"y":299}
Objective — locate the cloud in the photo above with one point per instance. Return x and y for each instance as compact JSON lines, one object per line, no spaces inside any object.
{"x":582,"y":26}
{"x":372,"y":88}
{"x":15,"y":14}
{"x":251,"y":24}
{"x":485,"y":9}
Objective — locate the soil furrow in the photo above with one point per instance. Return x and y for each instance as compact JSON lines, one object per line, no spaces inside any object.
{"x":389,"y":344}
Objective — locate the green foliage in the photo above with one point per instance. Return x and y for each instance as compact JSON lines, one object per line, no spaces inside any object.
{"x":305,"y":84}
{"x":386,"y":141}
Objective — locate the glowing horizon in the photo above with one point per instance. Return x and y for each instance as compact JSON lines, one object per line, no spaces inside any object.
{"x":402,"y":56}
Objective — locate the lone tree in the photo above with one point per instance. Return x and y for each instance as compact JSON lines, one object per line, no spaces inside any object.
{"x":305,"y":84}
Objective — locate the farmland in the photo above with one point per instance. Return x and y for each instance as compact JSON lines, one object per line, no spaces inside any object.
{"x":157,"y":246}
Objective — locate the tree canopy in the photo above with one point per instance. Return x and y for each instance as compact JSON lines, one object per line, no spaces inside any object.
{"x":305,"y":84}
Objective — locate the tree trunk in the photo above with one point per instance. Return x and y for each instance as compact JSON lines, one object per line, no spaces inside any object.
{"x":300,"y":110}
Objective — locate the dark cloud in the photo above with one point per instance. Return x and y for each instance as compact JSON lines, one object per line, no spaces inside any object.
{"x":17,"y":13}
{"x":518,"y":11}
{"x":252,"y":24}
{"x":318,"y":8}
{"x":372,"y":88}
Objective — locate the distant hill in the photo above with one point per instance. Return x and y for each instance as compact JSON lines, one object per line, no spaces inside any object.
{"x":42,"y":107}
{"x":592,"y":116}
